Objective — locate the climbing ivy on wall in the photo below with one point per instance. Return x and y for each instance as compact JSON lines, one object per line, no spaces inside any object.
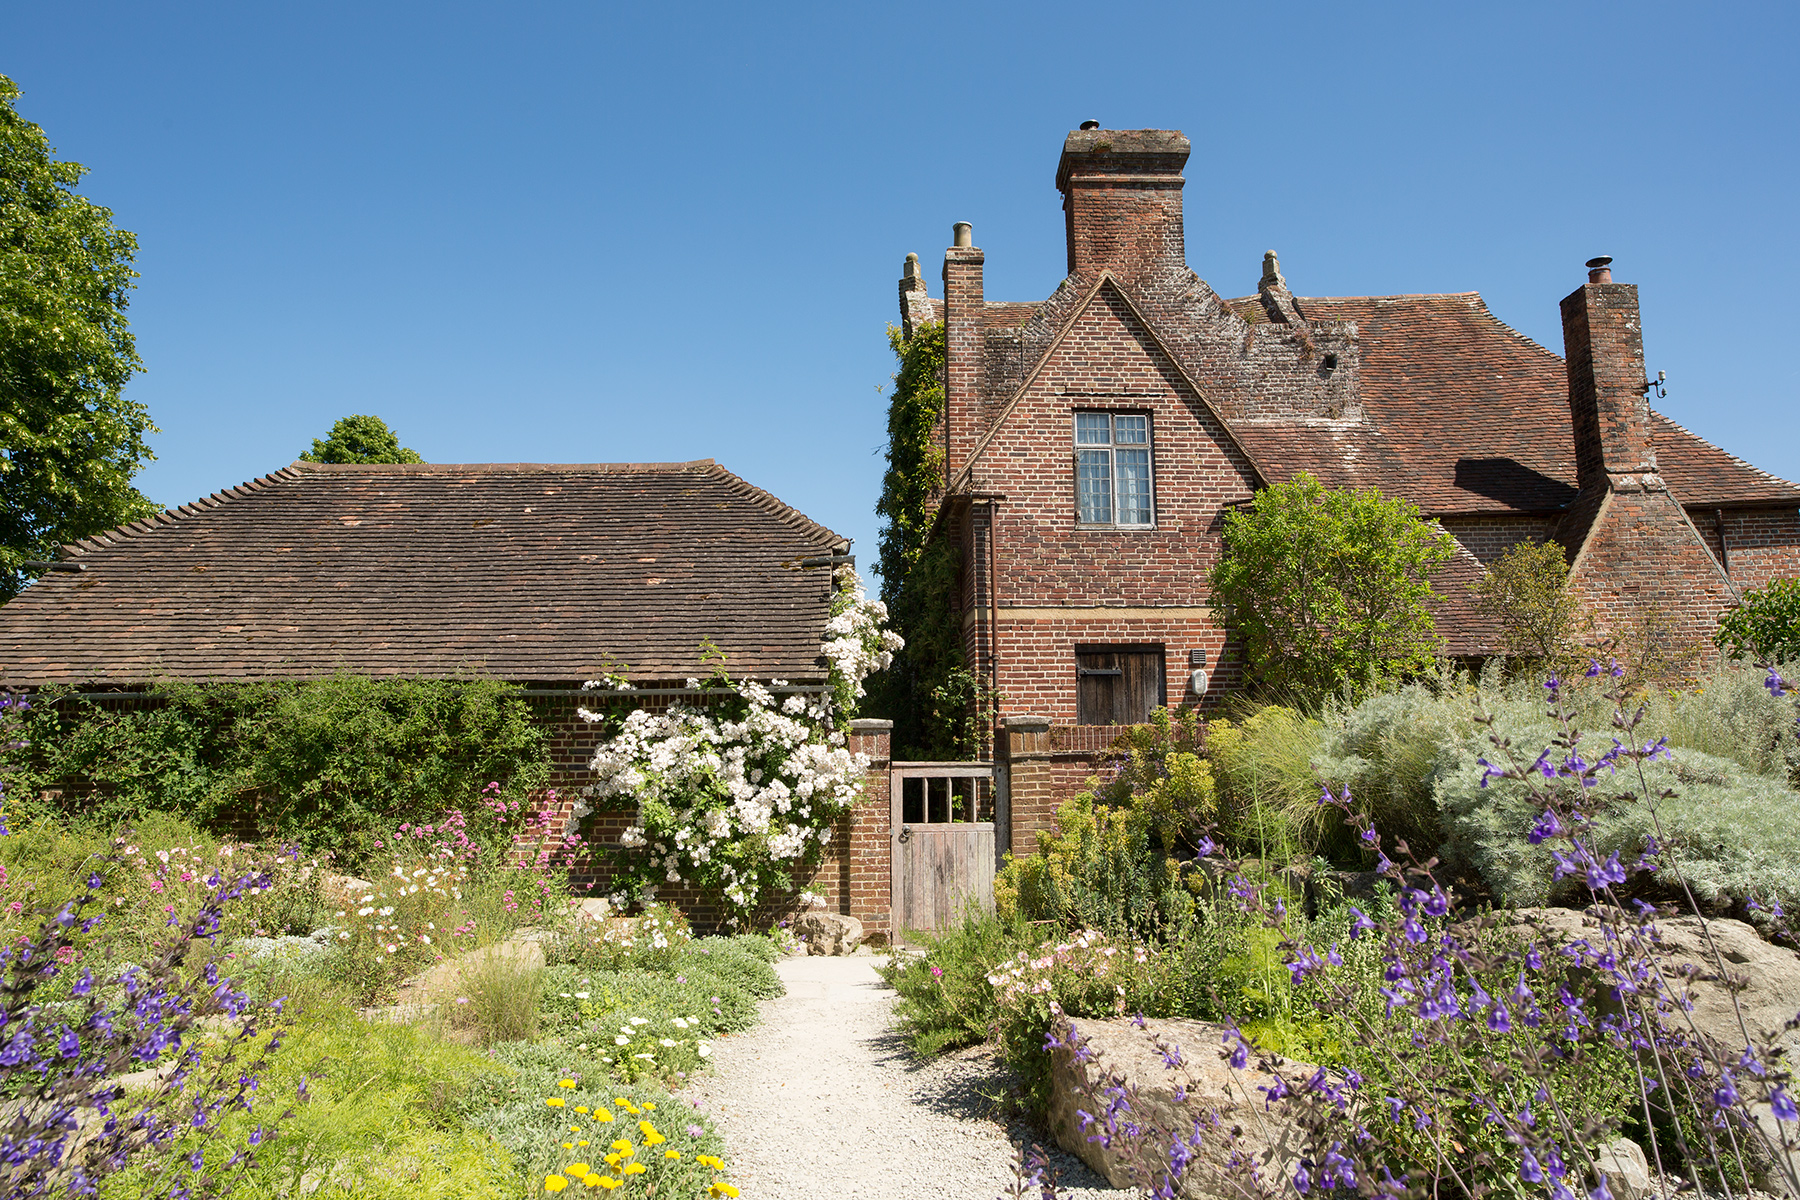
{"x":915,"y":457}
{"x":939,"y":708}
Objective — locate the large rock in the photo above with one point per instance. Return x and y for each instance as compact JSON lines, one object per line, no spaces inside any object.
{"x":1765,"y":978}
{"x":828,"y":932}
{"x":1626,"y":1170}
{"x":1203,"y":1087}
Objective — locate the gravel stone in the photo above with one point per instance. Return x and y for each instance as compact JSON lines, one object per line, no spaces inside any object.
{"x":824,"y":1099}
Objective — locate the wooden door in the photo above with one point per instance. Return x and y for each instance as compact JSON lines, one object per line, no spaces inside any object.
{"x":943,"y":843}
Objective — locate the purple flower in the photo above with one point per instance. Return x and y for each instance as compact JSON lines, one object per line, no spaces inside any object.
{"x":1360,"y":923}
{"x":1547,"y":827}
{"x":1776,"y":684}
{"x":1782,"y":1105}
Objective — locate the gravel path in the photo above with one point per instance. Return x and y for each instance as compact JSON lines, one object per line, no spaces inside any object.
{"x":823,"y":1100}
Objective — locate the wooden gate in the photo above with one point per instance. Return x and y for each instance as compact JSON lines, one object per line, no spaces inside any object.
{"x":943,"y":842}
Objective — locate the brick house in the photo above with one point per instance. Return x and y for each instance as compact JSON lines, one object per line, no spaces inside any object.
{"x":540,"y":575}
{"x":1094,"y":440}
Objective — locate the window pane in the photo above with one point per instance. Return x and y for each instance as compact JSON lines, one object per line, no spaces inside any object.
{"x":1092,"y":429}
{"x":1093,"y":486}
{"x":1134,"y":486}
{"x":1131,"y":430}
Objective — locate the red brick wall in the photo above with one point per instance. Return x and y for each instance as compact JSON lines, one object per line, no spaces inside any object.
{"x":1037,"y":657}
{"x":1109,"y":361}
{"x":1759,"y":545}
{"x":1641,"y":555}
{"x":1487,"y":538}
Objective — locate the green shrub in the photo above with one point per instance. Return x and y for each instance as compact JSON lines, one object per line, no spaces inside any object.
{"x":945,"y":999}
{"x":1766,"y":625}
{"x":1099,"y":868}
{"x":332,"y":764}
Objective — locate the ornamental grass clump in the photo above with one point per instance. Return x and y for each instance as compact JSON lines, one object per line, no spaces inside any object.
{"x":739,"y":796}
{"x":1492,"y":1055}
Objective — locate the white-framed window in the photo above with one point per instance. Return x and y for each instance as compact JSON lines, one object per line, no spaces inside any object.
{"x":1112,"y":469}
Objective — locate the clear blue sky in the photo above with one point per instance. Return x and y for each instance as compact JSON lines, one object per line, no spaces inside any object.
{"x":577,"y":232}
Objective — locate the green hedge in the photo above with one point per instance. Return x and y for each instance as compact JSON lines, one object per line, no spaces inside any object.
{"x":331,"y":764}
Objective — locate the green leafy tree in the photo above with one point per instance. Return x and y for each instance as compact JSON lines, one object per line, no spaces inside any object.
{"x":1328,"y":588}
{"x":1765,"y":626}
{"x":1526,"y":591}
{"x":360,"y":439}
{"x":70,"y":442}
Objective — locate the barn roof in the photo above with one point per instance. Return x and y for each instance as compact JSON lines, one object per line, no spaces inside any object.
{"x":521,"y":571}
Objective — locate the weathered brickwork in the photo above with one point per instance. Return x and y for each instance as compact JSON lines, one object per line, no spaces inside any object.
{"x":1037,"y":656}
{"x":1643,"y":566}
{"x":1487,"y":538}
{"x":1758,"y":545}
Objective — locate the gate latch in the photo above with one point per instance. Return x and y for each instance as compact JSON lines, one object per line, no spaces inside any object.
{"x":905,"y":833}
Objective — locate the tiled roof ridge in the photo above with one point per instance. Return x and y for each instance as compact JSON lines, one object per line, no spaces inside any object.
{"x":698,"y":465}
{"x":170,"y":516}
{"x":1728,"y":454}
{"x":774,"y":505}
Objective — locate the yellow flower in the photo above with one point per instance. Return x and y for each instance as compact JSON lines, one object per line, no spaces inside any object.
{"x":568,"y":1145}
{"x":581,"y":1143}
{"x":722,"y":1188}
{"x":608,"y":1182}
{"x":634,"y":1169}
{"x":628,"y":1106}
{"x":555,"y":1102}
{"x":672,"y":1155}
{"x":600,"y":1114}
{"x":592,"y":1181}
{"x":581,"y":1108}
{"x":613,"y":1160}
{"x":555,"y":1183}
{"x":578,"y":1170}
{"x":565,"y":1083}
{"x":649,"y":1106}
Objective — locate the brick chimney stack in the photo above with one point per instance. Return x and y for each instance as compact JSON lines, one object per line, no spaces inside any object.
{"x":963,"y":302}
{"x":1603,"y":345}
{"x":1122,"y":197}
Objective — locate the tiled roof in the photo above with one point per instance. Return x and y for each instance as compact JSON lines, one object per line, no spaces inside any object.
{"x":518,"y":571}
{"x":1465,"y":415}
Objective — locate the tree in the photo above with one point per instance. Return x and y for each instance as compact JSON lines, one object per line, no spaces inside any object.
{"x":360,"y":439}
{"x":1526,"y":592}
{"x":1328,"y":588}
{"x":70,"y":442}
{"x":1766,"y":625}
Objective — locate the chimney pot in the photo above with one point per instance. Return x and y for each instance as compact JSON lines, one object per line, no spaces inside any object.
{"x":1600,"y":269}
{"x":962,"y":234}
{"x":1090,"y":124}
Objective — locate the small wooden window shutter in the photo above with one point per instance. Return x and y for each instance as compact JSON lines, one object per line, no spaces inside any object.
{"x":1118,"y":687}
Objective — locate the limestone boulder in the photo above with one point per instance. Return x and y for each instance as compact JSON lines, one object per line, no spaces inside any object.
{"x":1201,"y":1088}
{"x":828,"y":932}
{"x":1625,"y":1169}
{"x":1760,"y":980}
